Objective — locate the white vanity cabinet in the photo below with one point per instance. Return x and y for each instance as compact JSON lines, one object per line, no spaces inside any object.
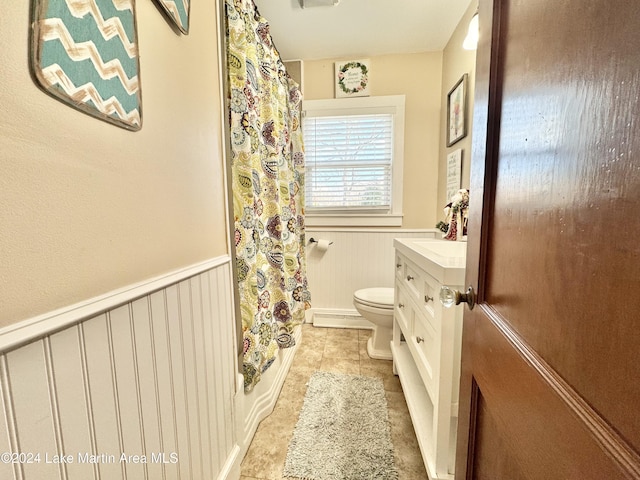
{"x":426,"y":344}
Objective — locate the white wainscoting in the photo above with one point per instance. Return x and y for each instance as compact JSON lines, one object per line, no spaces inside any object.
{"x":147,"y":370}
{"x":357,"y":258}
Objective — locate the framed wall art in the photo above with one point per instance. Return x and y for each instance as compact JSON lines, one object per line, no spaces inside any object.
{"x":177,"y":12}
{"x":352,"y":78}
{"x":457,"y":111}
{"x":454,"y":173}
{"x":85,"y":54}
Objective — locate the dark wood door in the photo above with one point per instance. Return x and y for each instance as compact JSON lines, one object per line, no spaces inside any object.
{"x":550,"y":385}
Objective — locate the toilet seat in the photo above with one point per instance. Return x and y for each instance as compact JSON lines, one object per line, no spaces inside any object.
{"x":378,"y":297}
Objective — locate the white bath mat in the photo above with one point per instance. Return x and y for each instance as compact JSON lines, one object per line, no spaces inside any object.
{"x":343,"y":431}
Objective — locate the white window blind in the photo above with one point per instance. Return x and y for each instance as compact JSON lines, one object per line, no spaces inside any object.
{"x":354,"y":149}
{"x":349,"y":161}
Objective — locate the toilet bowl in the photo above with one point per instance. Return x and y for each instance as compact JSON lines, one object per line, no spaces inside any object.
{"x":376,"y":306}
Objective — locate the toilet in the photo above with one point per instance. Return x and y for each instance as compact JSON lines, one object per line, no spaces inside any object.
{"x":376,"y":306}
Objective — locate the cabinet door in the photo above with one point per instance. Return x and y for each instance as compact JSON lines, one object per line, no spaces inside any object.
{"x":427,"y":347}
{"x":403,"y":310}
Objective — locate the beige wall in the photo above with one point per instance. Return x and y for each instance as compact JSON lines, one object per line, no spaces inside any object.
{"x":426,"y":79}
{"x":87,"y":207}
{"x":456,"y":62}
{"x":418,"y":76}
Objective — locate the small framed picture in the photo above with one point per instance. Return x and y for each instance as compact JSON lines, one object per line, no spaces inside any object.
{"x":457,"y":111}
{"x":177,"y":12}
{"x":454,"y":173}
{"x":352,"y":78}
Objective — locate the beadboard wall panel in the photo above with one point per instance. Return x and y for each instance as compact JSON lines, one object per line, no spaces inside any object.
{"x":100,"y":398}
{"x":71,"y":395}
{"x":153,"y":377}
{"x":167,"y":406}
{"x":28,"y":389}
{"x":358,"y":258}
{"x":6,"y":469}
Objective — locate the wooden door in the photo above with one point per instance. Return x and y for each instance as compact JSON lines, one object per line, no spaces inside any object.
{"x":550,"y":385}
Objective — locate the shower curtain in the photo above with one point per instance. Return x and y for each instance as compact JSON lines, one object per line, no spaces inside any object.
{"x":268,"y":187}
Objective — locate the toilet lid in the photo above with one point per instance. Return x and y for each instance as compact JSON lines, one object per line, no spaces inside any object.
{"x":376,"y":297}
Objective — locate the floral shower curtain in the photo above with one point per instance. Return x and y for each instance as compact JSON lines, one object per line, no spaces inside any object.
{"x":268,"y":188}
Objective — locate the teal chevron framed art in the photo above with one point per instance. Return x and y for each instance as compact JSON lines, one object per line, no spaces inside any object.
{"x":85,"y":54}
{"x":177,"y":11}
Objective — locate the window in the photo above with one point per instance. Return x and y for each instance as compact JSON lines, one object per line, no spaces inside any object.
{"x":353,"y":157}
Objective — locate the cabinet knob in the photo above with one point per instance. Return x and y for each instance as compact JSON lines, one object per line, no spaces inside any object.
{"x":409,"y":278}
{"x":450,"y":297}
{"x":419,"y":339}
{"x":398,"y":265}
{"x":427,"y":299}
{"x":401,"y":305}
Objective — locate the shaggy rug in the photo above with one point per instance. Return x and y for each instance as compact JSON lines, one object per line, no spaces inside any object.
{"x":343,"y":431}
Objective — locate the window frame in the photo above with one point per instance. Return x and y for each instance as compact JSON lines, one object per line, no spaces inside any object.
{"x":393,"y":104}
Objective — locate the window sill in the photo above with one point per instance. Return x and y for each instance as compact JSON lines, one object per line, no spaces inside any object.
{"x":353,"y":220}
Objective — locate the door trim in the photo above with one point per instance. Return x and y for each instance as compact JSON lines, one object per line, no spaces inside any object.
{"x":484,"y":147}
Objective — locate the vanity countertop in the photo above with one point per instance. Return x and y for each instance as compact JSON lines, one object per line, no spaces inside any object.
{"x":444,"y":260}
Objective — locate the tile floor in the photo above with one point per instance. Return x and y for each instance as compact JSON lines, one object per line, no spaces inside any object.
{"x":334,"y":350}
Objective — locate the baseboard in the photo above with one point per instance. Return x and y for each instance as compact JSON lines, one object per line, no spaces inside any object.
{"x":339,"y":318}
{"x":261,"y":401}
{"x":231,"y":468}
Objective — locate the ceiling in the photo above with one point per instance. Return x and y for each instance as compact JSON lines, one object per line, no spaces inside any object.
{"x":361,"y":28}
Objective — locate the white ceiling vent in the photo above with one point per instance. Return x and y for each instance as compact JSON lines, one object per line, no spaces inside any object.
{"x":318,"y":3}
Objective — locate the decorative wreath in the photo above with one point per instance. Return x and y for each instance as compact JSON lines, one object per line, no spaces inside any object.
{"x":363,"y":79}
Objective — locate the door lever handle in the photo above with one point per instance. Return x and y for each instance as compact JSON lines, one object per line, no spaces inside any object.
{"x":450,"y":297}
